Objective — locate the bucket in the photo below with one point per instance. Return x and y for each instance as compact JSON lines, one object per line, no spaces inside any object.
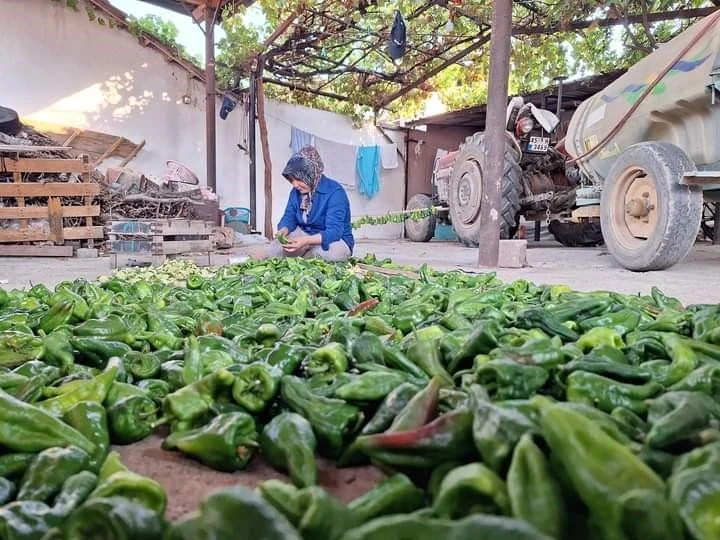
{"x":177,"y":172}
{"x":237,"y":213}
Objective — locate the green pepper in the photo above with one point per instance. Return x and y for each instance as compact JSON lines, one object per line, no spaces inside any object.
{"x":171,"y":372}
{"x":131,"y":418}
{"x":16,"y":348}
{"x":421,"y":527}
{"x":394,"y":495}
{"x":191,"y":402}
{"x":699,"y":457}
{"x":427,"y":356}
{"x":7,"y":491}
{"x":470,"y":489}
{"x":139,"y":489}
{"x":505,"y":379}
{"x":677,"y":416}
{"x":322,"y":516}
{"x":287,"y":358}
{"x":397,"y":360}
{"x":333,"y":420}
{"x":546,"y":321}
{"x":73,"y":493}
{"x":26,"y":520}
{"x":46,"y":474}
{"x":581,"y":308}
{"x":267,"y":334}
{"x":288,"y":443}
{"x":227,"y":443}
{"x":58,"y":314}
{"x":229,"y":510}
{"x":391,"y":406}
{"x":482,"y":340}
{"x":379,"y":326}
{"x":96,"y":351}
{"x":541,"y":351}
{"x":606,"y":394}
{"x":58,"y":350}
{"x":28,"y":428}
{"x":95,"y":389}
{"x":12,"y":465}
{"x":600,"y":469}
{"x":114,"y":517}
{"x":622,"y":321}
{"x":90,"y":419}
{"x":256,"y":386}
{"x":665,"y":302}
{"x":496,"y":430}
{"x":283,"y":497}
{"x":81,"y":310}
{"x":142,"y":365}
{"x":157,"y":389}
{"x":328,"y":359}
{"x":704,"y":379}
{"x":111,"y":328}
{"x":682,"y":356}
{"x":598,"y":337}
{"x":611,"y":370}
{"x":192,"y":363}
{"x":368,"y":347}
{"x":370,"y":386}
{"x":696,"y":493}
{"x":630,"y":423}
{"x":447,"y":438}
{"x":535,"y":494}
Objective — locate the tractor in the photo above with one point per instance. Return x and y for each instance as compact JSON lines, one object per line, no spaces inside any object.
{"x":636,"y":163}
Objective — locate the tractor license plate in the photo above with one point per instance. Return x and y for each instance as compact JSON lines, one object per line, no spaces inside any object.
{"x":538,"y":144}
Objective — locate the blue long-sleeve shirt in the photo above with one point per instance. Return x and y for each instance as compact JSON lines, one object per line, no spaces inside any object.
{"x":329,"y":215}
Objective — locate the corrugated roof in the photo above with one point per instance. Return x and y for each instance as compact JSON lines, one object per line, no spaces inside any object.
{"x":574,"y":93}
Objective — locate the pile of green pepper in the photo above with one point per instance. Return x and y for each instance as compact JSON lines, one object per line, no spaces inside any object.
{"x":505,"y":410}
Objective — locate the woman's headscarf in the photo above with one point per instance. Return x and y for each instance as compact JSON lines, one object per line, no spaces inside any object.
{"x":307,"y":166}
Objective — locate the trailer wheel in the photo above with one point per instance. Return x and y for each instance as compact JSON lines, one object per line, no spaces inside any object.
{"x":649,"y":220}
{"x":420,"y":230}
{"x":465,"y":197}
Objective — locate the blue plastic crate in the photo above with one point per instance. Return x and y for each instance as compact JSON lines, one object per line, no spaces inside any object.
{"x":445,"y":232}
{"x":237,"y":213}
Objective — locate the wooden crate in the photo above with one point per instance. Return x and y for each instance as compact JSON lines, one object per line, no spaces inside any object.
{"x":53,"y":211}
{"x":159,"y":238}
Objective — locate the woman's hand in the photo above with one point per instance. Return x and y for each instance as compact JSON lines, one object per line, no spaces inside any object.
{"x":296,"y":244}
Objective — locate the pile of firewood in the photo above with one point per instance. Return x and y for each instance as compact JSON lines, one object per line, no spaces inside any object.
{"x":118,"y":204}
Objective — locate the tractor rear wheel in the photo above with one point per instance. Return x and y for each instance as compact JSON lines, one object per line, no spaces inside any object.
{"x":465,"y":197}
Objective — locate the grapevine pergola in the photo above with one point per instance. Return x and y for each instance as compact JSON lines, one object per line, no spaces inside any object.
{"x":320,"y":47}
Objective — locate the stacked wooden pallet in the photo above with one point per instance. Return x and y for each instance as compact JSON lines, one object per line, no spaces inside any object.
{"x":158,"y":238}
{"x":43,"y":212}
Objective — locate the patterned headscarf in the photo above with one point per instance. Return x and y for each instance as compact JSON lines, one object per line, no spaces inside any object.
{"x":307,"y":166}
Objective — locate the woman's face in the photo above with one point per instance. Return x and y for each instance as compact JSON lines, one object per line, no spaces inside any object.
{"x":301,"y":186}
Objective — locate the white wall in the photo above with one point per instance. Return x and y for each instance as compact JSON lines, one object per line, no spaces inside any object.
{"x":62,"y":68}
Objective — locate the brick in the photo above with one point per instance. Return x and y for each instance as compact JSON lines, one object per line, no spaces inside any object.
{"x":513,"y":254}
{"x":86,"y":253}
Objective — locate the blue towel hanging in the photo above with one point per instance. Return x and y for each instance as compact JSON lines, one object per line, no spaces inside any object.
{"x":367,"y":166}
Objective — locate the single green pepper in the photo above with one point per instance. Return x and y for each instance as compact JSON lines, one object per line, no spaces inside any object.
{"x":283,"y":497}
{"x":606,"y":394}
{"x":114,"y":517}
{"x":287,"y":358}
{"x":131,"y":419}
{"x":393,"y":495}
{"x":328,"y":359}
{"x":95,"y":389}
{"x":547,"y":322}
{"x":397,"y":360}
{"x":598,"y":337}
{"x":57,"y":315}
{"x":482,"y":340}
{"x":391,"y":406}
{"x":699,"y":457}
{"x":288,"y":443}
{"x":630,"y":423}
{"x":157,"y":389}
{"x":96,"y":351}
{"x":427,"y":356}
{"x":12,"y":465}
{"x":505,"y":379}
{"x":229,"y":510}
{"x":74,"y":491}
{"x":622,"y":321}
{"x":535,"y":494}
{"x":139,"y":489}
{"x":192,"y":364}
{"x":322,"y":516}
{"x":142,"y":365}
{"x":90,"y":419}
{"x":227,"y":443}
{"x":496,"y":430}
{"x":696,"y":493}
{"x":7,"y":490}
{"x":111,"y":328}
{"x":191,"y":402}
{"x":677,"y":416}
{"x":600,"y":469}
{"x":26,"y":520}
{"x":28,"y":428}
{"x":470,"y":489}
{"x":16,"y":348}
{"x":47,"y":473}
{"x":58,"y":350}
{"x":371,"y":386}
{"x":611,"y":370}
{"x":682,"y":356}
{"x":704,"y":379}
{"x":333,"y":420}
{"x":256,"y":386}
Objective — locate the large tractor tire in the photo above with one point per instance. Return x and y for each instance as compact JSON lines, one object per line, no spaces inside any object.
{"x":420,"y":230}
{"x":466,"y":190}
{"x":649,"y":220}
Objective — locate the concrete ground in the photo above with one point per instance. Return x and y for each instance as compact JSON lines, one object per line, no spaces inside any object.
{"x":695,"y":280}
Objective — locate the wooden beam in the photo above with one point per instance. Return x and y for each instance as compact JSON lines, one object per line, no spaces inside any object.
{"x":41,"y":212}
{"x":109,"y":151}
{"x":36,"y":235}
{"x":53,"y":189}
{"x":132,"y":154}
{"x":72,"y":136}
{"x":43,"y":165}
{"x":30,"y":148}
{"x":55,"y":220}
{"x":35,"y":251}
{"x":262,"y":124}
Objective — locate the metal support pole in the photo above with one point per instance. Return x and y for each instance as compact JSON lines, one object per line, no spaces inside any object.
{"x":252,"y":149}
{"x":210,"y":156}
{"x":716,"y":224}
{"x":559,"y":80}
{"x":491,"y":207}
